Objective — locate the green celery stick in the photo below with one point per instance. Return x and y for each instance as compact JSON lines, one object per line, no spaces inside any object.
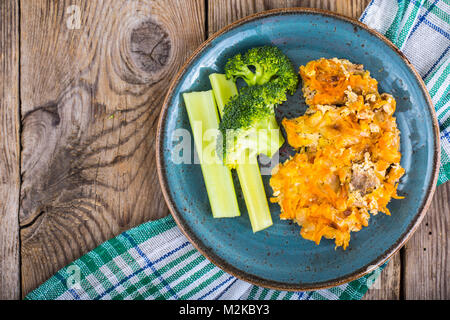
{"x":248,"y":172}
{"x":254,"y":195}
{"x":204,"y":120}
{"x":223,"y":89}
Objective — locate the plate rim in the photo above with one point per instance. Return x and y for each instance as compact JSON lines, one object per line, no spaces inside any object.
{"x":273,"y":284}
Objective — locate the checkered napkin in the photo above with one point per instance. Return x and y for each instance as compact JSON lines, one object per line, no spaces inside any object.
{"x":156,"y":261}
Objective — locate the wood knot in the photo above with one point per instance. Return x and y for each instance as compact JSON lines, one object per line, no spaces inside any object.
{"x":150,"y":46}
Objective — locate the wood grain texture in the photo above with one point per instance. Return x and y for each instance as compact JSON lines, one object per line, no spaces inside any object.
{"x":223,"y":12}
{"x":426,"y":254}
{"x":388,"y":284}
{"x":91,"y":91}
{"x":9,"y":151}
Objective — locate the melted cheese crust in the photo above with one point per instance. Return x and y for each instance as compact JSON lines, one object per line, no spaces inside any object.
{"x":348,"y":161}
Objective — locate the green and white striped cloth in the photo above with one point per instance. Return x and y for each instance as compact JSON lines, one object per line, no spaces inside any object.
{"x":156,"y":261}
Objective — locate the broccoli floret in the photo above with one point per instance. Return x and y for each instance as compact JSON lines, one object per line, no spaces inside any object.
{"x":249,"y":123}
{"x":267,"y":94}
{"x":261,"y":65}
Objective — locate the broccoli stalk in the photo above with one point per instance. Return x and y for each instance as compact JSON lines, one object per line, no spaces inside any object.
{"x":203,"y":117}
{"x":248,"y":171}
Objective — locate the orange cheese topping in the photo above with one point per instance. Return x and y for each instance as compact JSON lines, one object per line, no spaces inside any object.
{"x":330,"y":78}
{"x":347,"y":165}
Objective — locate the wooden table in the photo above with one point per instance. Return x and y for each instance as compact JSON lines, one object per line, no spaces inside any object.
{"x":82,"y":86}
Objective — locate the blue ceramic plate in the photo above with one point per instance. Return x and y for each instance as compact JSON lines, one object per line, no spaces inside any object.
{"x":279,"y":257}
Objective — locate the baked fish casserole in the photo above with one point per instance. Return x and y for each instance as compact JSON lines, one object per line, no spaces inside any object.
{"x":348,"y":162}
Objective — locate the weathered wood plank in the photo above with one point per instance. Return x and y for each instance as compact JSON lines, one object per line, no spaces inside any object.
{"x":9,"y":150}
{"x":387,"y":286}
{"x":94,"y":74}
{"x":221,"y":13}
{"x":426,"y":258}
